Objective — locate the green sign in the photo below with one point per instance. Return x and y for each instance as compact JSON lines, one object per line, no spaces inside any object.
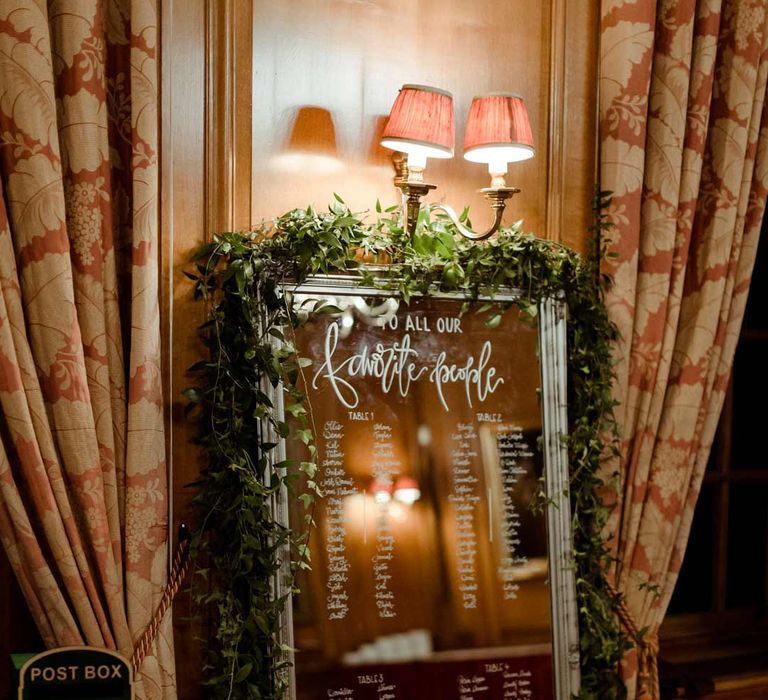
{"x":76,"y":673}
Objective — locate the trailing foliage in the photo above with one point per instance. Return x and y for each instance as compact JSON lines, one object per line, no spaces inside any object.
{"x":241,"y":276}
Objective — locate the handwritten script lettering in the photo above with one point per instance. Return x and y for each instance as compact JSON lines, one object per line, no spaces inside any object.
{"x":337,"y":485}
{"x":397,"y":367}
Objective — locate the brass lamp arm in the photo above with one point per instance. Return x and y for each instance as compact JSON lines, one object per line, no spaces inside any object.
{"x":497,"y":196}
{"x":467,"y":232}
{"x":410,"y":182}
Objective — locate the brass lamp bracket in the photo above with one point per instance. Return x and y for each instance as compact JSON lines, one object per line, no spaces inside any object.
{"x":410,"y":182}
{"x":411,"y":204}
{"x":400,"y":165}
{"x":497,"y":196}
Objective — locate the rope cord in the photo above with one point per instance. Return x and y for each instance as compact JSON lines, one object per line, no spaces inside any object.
{"x":647,"y":649}
{"x":178,"y":574}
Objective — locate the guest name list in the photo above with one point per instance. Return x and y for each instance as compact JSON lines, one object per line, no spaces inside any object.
{"x":336,"y":485}
{"x":511,"y":448}
{"x":463,"y":382}
{"x":365,"y":447}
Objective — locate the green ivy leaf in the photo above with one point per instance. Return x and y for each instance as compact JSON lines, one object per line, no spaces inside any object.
{"x":305,"y":435}
{"x":493,"y":321}
{"x":309,"y":468}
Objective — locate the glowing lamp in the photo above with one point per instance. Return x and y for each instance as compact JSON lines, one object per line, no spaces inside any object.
{"x":381,"y":492}
{"x":407,"y":490}
{"x":421,"y":126}
{"x":498,"y":132}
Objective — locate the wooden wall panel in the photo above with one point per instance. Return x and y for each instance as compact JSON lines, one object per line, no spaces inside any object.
{"x":205,"y":187}
{"x":228,"y":96}
{"x":350,"y":58}
{"x":577,"y":163}
{"x":235,"y":76}
{"x":183,"y":227}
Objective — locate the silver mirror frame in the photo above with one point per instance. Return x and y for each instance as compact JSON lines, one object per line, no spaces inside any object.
{"x":553,"y":364}
{"x":554,"y":377}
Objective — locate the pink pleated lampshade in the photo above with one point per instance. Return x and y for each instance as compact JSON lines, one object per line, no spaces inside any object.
{"x":498,"y":128}
{"x":421,"y":120}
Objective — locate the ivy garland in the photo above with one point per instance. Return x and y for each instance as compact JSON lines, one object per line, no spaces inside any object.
{"x":240,"y":277}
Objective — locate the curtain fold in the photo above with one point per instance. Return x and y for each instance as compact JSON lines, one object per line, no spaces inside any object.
{"x":684,"y":140}
{"x":83,"y":486}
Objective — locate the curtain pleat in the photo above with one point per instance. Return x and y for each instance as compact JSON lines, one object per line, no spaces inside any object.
{"x":83,"y":485}
{"x":683,"y":144}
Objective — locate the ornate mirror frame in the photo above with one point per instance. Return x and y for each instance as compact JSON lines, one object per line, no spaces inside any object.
{"x":553,"y":403}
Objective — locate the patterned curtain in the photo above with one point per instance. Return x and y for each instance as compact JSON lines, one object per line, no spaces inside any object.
{"x":83,"y":492}
{"x":684,"y":148}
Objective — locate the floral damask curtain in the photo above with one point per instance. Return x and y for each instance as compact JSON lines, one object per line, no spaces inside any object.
{"x":83,"y":489}
{"x":684,"y":148}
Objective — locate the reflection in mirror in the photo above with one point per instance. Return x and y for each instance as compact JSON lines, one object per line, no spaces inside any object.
{"x":429,"y":557}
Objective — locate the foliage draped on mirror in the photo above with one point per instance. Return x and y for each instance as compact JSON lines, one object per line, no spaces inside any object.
{"x":249,"y":339}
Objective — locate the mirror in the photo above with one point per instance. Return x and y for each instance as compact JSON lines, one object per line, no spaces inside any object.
{"x":441,"y":552}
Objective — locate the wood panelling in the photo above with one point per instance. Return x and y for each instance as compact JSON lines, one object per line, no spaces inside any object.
{"x":556,"y":135}
{"x":205,"y":187}
{"x":235,"y":77}
{"x":575,"y":164}
{"x":229,"y":112}
{"x":350,"y":58}
{"x":183,"y":228}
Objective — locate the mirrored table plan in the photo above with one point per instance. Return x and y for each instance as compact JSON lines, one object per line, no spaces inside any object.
{"x":429,"y":557}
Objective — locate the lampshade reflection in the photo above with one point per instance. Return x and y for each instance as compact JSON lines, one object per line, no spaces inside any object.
{"x":407,"y":490}
{"x":381,"y":492}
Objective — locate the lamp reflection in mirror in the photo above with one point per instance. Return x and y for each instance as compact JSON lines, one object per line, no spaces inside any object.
{"x":381,"y":492}
{"x":407,"y":490}
{"x":498,"y":132}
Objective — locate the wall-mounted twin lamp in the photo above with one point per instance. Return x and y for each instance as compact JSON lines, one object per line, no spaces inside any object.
{"x":405,"y":490}
{"x":421,"y":126}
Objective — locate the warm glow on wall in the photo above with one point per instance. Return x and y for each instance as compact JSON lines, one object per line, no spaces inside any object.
{"x":312,"y":147}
